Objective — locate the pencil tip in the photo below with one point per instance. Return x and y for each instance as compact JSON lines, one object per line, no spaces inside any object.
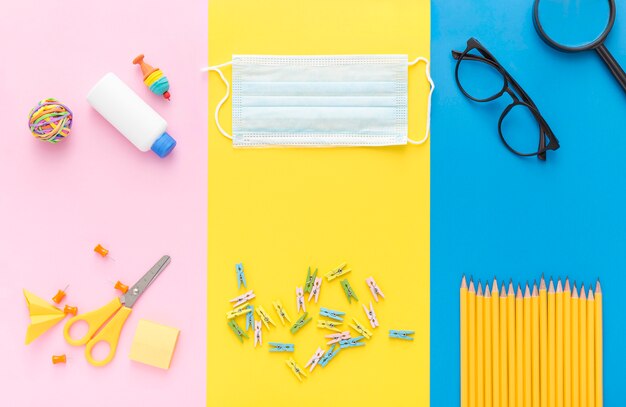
{"x":567,"y":287}
{"x":559,"y":287}
{"x":590,"y":295}
{"x":487,"y":292}
{"x":480,"y":289}
{"x":574,"y":291}
{"x":494,"y":287}
{"x":542,"y":284}
{"x":551,"y":286}
{"x":598,"y":288}
{"x":535,"y":293}
{"x":463,"y":282}
{"x":518,"y":295}
{"x":526,"y":291}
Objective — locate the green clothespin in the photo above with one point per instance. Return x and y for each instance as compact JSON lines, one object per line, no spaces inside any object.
{"x":308,"y":285}
{"x":237,"y":330}
{"x":302,"y":321}
{"x":348,"y":290}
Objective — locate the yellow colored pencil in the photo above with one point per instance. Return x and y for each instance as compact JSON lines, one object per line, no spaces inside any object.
{"x":567,"y":345}
{"x":495,"y":342}
{"x":551,"y":345}
{"x":535,"y":346}
{"x":559,"y":344}
{"x":519,"y":348}
{"x":471,"y":305}
{"x":591,"y":362}
{"x":527,"y":392}
{"x":487,"y":339}
{"x":510,"y":309}
{"x":575,"y":349}
{"x":598,"y":343}
{"x":543,"y":342}
{"x":464,"y":333}
{"x":504,"y":362}
{"x":582,"y":347}
{"x":480,"y":347}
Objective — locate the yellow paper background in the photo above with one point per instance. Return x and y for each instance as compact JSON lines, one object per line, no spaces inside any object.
{"x":280,"y":210}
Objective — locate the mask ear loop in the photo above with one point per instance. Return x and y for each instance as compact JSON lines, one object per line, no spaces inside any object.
{"x":430,"y":96}
{"x":216,"y":68}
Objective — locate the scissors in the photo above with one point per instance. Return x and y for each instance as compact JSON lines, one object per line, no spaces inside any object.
{"x":116,"y":312}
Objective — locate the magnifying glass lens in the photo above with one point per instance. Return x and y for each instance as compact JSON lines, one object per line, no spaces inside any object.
{"x":480,"y":79}
{"x":574,"y":23}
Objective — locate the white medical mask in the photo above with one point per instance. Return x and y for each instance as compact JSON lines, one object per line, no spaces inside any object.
{"x":320,"y":101}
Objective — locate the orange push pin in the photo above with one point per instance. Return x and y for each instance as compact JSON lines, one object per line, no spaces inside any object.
{"x":153,"y":78}
{"x":101,"y":250}
{"x":121,"y":287}
{"x":58,"y":359}
{"x":70,"y":310}
{"x":58,"y":297}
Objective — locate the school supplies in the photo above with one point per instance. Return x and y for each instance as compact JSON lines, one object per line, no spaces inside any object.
{"x":351,"y":342}
{"x":43,"y":316}
{"x":58,"y":297}
{"x":243,"y":298}
{"x":250,"y":317}
{"x":562,"y":40}
{"x":240,"y":310}
{"x":300,"y":299}
{"x":374,"y":289}
{"x":153,"y":78}
{"x":315,"y":289}
{"x":539,"y":346}
{"x":68,"y":309}
{"x":238,"y":331}
{"x":297,"y":370}
{"x":337,"y":272}
{"x":336,"y":338}
{"x":121,"y":287}
{"x":258,"y":335}
{"x":50,"y":121}
{"x":371,"y":315}
{"x":400,"y":334}
{"x":348,"y":290}
{"x":302,"y":321}
{"x":154,"y":344}
{"x":319,"y":100}
{"x":130,"y":115}
{"x":241,"y":277}
{"x":325,"y":324}
{"x":282,"y":313}
{"x":265,"y":317}
{"x":329,"y":355}
{"x":476,"y":53}
{"x":332,"y":314}
{"x":101,"y":250}
{"x":281,"y":347}
{"x":310,"y":278}
{"x":360,"y":328}
{"x":314,"y":359}
{"x":57,"y":359}
{"x":105,"y":324}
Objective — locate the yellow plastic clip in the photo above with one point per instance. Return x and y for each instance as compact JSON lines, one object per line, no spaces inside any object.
{"x":360,"y":328}
{"x":240,"y":310}
{"x":264,"y":317}
{"x":297,"y":370}
{"x":323,"y":323}
{"x":282,"y":313}
{"x":338,"y":272}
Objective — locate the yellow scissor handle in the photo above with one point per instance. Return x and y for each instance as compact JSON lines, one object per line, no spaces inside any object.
{"x":94,"y":319}
{"x":110,"y":333}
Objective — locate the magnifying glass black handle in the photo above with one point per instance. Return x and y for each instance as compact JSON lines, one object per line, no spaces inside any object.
{"x":612,"y":64}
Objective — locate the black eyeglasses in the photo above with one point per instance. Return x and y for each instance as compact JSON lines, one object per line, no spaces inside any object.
{"x":487,"y":81}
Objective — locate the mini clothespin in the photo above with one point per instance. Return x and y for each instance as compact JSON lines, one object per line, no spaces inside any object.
{"x":243,"y":298}
{"x":371,"y":315}
{"x":338,"y":272}
{"x":393,"y":333}
{"x":338,"y":337}
{"x":374,"y":288}
{"x":265,"y":317}
{"x":314,"y":359}
{"x":332,"y":314}
{"x":308,"y":284}
{"x":282,"y":313}
{"x":302,"y":321}
{"x":323,"y":323}
{"x":315,"y":291}
{"x":300,"y":299}
{"x":240,"y":310}
{"x":352,"y":342}
{"x":281,"y":347}
{"x":297,"y":370}
{"x":348,"y":290}
{"x":258,"y":335}
{"x":360,"y":329}
{"x":329,"y":355}
{"x":237,"y":330}
{"x":241,"y":278}
{"x":250,"y":318}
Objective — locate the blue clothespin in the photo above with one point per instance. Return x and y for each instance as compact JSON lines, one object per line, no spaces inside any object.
{"x":237,"y":330}
{"x":329,"y":355}
{"x":336,"y":315}
{"x":352,"y":342}
{"x":241,"y":278}
{"x":281,"y":347}
{"x":250,"y":317}
{"x":393,"y":333}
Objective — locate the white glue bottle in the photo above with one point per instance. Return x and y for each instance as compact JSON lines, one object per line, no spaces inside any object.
{"x":130,"y":115}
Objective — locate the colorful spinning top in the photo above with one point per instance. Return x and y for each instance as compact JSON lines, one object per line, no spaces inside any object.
{"x":153,"y":78}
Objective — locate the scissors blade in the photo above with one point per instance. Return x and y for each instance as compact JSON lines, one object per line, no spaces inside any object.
{"x":140,"y":286}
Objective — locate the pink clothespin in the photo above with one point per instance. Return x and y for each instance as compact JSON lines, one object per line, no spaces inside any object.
{"x":300,"y":299}
{"x":243,"y":298}
{"x":258,"y":336}
{"x":338,"y":337}
{"x":371,"y":315}
{"x":314,"y":359}
{"x":374,"y":288}
{"x":315,"y":291}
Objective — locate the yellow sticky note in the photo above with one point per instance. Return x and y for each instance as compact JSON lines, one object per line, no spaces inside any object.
{"x":154,"y":344}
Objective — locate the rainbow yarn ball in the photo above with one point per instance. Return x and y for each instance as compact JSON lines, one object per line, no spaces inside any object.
{"x":50,"y":121}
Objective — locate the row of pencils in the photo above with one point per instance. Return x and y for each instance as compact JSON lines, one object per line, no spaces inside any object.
{"x":531,"y":347}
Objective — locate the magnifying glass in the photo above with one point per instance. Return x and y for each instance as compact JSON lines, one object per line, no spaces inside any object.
{"x":579,"y":25}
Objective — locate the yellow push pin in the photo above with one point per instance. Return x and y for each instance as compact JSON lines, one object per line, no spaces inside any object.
{"x":58,"y":297}
{"x":101,"y":250}
{"x":56,"y":359}
{"x":121,"y":287}
{"x":70,"y":310}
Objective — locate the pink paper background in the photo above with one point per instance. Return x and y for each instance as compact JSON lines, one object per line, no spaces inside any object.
{"x":58,"y":201}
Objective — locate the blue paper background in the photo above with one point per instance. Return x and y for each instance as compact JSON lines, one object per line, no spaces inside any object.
{"x":493,"y":213}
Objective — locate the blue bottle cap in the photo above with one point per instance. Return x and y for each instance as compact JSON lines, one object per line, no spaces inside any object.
{"x":163,"y":145}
